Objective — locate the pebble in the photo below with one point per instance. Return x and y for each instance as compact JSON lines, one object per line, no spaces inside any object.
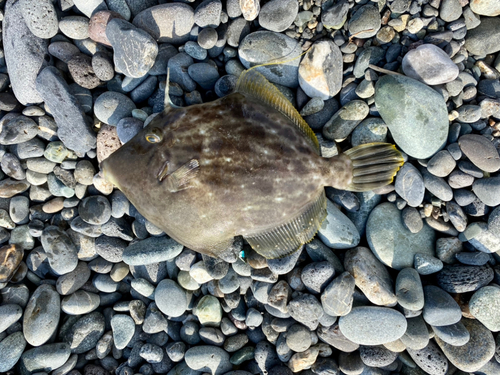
{"x":24,"y":54}
{"x":208,"y":13}
{"x":365,"y":22}
{"x":80,"y":68}
{"x":462,"y":279}
{"x":440,"y":308}
{"x":209,"y":311}
{"x":11,"y":349}
{"x":208,"y":358}
{"x":345,"y":120}
{"x":75,"y":27}
{"x":485,"y":38}
{"x":316,"y":276}
{"x":370,"y":276}
{"x":430,"y":359}
{"x":305,"y":309}
{"x":95,"y":210}
{"x":337,"y":231}
{"x":278,"y":15}
{"x":73,"y":128}
{"x":377,"y":356}
{"x":40,"y":18}
{"x":10,"y":314}
{"x":485,"y":190}
{"x":484,"y":307}
{"x":320,"y":71}
{"x":10,"y":258}
{"x":426,"y":264}
{"x":170,"y":298}
{"x":454,"y":334}
{"x":18,"y":130}
{"x":134,"y":49}
{"x":397,"y":99}
{"x":409,"y":291}
{"x":480,"y":151}
{"x":61,"y":252}
{"x":442,"y":70}
{"x":485,"y":8}
{"x":123,"y":327}
{"x":475,"y":353}
{"x":385,"y":222}
{"x":45,"y":358}
{"x":167,"y":23}
{"x":261,"y":47}
{"x":441,"y":164}
{"x":204,"y":74}
{"x":372,"y":325}
{"x":85,"y":332}
{"x":152,"y":250}
{"x":110,"y":107}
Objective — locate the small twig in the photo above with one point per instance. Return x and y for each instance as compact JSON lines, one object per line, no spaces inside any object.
{"x":382,"y":70}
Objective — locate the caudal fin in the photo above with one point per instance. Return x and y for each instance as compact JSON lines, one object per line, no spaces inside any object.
{"x":374,"y":165}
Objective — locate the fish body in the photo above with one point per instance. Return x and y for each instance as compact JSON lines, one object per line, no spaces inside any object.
{"x":235,"y":166}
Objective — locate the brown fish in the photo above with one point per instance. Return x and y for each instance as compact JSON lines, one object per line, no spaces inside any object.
{"x":246,"y":164}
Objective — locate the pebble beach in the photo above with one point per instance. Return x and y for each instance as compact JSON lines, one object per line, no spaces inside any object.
{"x":402,"y":280}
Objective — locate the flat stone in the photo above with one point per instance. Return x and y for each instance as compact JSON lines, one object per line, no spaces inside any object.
{"x":167,"y":23}
{"x":123,"y":327}
{"x":365,"y":22}
{"x":370,"y":325}
{"x":45,"y":358}
{"x":75,"y":27}
{"x":430,"y":359}
{"x":86,"y":331}
{"x":110,"y":107}
{"x":409,"y":290}
{"x":209,"y":311}
{"x":442,"y":69}
{"x":337,"y":231}
{"x":278,"y":15}
{"x":61,"y":251}
{"x":454,"y":334}
{"x":370,"y":276}
{"x":475,"y":353}
{"x":151,"y":250}
{"x":208,"y":358}
{"x":72,"y":126}
{"x":440,"y":308}
{"x":345,"y":120}
{"x":134,"y":49}
{"x":485,"y":307}
{"x":337,"y":298}
{"x":170,"y":298}
{"x":25,"y":54}
{"x":11,"y":349}
{"x":80,"y":68}
{"x":9,"y":314}
{"x":486,"y":189}
{"x":485,"y":38}
{"x":98,"y":23}
{"x":41,"y":316}
{"x":399,"y":100}
{"x":40,"y":17}
{"x":485,"y":8}
{"x":18,"y":130}
{"x":480,"y":151}
{"x":320,"y":71}
{"x":416,"y":336}
{"x":385,"y":222}
{"x":462,"y":279}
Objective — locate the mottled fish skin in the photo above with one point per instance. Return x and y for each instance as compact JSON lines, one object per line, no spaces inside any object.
{"x":256,"y":171}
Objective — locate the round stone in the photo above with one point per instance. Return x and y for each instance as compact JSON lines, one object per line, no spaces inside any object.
{"x":278,"y":15}
{"x":476,"y":353}
{"x":480,"y":151}
{"x":95,"y":210}
{"x":365,"y":22}
{"x":61,"y":252}
{"x":440,"y":308}
{"x":488,"y":8}
{"x":385,"y":222}
{"x":209,"y":311}
{"x":399,"y":100}
{"x":371,"y":325}
{"x":80,"y":68}
{"x":320,"y":71}
{"x":170,"y":298}
{"x":338,"y":231}
{"x":298,"y":338}
{"x":75,"y":27}
{"x":442,"y":69}
{"x":485,"y":307}
{"x":73,"y":280}
{"x":441,"y":164}
{"x":110,"y":107}
{"x":485,"y":38}
{"x":207,"y":358}
{"x":317,"y":275}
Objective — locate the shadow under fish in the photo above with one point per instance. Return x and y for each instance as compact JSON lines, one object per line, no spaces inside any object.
{"x":244,"y":165}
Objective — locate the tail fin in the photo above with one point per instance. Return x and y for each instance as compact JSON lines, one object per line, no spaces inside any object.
{"x":373,"y":165}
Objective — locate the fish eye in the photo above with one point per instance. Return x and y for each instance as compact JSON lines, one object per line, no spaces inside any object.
{"x":154,"y":136}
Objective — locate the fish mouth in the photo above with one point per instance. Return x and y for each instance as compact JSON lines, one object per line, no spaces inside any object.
{"x":162,"y":172}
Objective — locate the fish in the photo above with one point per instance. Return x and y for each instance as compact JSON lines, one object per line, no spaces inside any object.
{"x":246,"y":164}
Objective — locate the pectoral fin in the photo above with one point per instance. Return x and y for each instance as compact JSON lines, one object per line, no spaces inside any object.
{"x":183,"y":177}
{"x":289,"y":237}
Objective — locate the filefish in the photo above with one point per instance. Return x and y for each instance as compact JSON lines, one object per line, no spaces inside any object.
{"x":246,"y":165}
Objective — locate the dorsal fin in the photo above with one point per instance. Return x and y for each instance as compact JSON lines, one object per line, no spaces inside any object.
{"x":255,"y":85}
{"x":168,"y":102}
{"x":287,"y":238}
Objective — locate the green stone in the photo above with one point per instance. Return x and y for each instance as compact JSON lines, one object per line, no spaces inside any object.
{"x":56,"y":152}
{"x":242,"y":355}
{"x":209,"y":311}
{"x":415,"y":114}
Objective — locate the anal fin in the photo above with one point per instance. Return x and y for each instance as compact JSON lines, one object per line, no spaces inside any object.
{"x":289,"y":237}
{"x":182,"y":178}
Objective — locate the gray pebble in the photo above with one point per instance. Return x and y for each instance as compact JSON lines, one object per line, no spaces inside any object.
{"x":454,"y":334}
{"x":208,"y":358}
{"x":110,"y":107}
{"x":440,"y":308}
{"x":46,"y":357}
{"x":170,"y":298}
{"x":430,"y":359}
{"x":123,"y":327}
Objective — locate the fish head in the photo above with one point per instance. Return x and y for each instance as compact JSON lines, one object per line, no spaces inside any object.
{"x":138,"y":162}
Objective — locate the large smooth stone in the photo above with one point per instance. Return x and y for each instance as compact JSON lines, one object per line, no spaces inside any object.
{"x":485,"y":38}
{"x":391,"y":242}
{"x":41,"y":315}
{"x":412,"y":111}
{"x":371,"y":325}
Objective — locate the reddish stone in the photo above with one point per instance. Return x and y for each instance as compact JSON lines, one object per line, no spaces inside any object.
{"x":98,"y":23}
